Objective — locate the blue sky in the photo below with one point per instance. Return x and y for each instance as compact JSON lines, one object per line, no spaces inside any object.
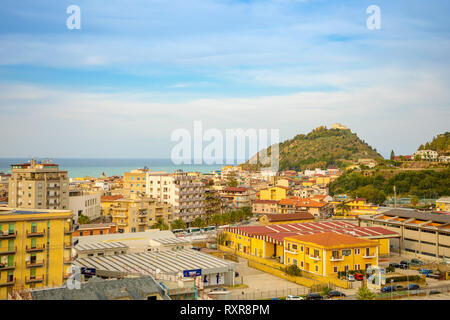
{"x":138,"y":70}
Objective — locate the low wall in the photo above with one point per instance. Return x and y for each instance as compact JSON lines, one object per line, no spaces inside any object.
{"x":275,"y":269}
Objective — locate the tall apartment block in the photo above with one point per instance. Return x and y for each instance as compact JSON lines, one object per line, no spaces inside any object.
{"x":35,"y":249}
{"x":38,"y":185}
{"x":138,"y":213}
{"x":180,"y":189}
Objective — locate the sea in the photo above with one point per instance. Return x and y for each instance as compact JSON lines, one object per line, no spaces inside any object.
{"x":111,"y":167}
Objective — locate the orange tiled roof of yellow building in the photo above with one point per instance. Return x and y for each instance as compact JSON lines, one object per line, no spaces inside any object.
{"x":332,"y":239}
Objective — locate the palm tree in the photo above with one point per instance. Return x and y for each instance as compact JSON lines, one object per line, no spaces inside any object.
{"x":343,"y":208}
{"x":160,"y":224}
{"x":198,"y":222}
{"x":365,"y":294}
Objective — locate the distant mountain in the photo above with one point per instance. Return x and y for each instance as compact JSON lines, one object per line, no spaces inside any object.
{"x":440,"y":143}
{"x":320,"y":148}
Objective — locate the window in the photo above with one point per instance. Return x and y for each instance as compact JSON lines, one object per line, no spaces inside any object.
{"x":346,"y":252}
{"x":357,"y":267}
{"x":301,"y":264}
{"x":294,"y":261}
{"x":307,"y":250}
{"x":335,"y":254}
{"x":301,"y":248}
{"x":316,"y":253}
{"x":346,"y":268}
{"x":335,"y":269}
{"x":317,"y":268}
{"x":367,"y":252}
{"x":357,"y":251}
{"x":294,"y":247}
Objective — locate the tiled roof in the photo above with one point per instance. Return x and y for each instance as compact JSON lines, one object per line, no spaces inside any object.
{"x":111,"y":198}
{"x":331,"y":239}
{"x":291,"y":216}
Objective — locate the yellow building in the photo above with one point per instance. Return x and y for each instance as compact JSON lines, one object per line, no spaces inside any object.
{"x":137,"y":213}
{"x":35,"y":248}
{"x":274,"y":193}
{"x":361,"y":206}
{"x":135,"y":182}
{"x":328,"y":253}
{"x":323,"y":180}
{"x":107,"y":201}
{"x":443,"y":204}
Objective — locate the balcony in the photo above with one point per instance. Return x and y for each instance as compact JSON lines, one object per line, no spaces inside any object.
{"x":369,"y":256}
{"x":334,"y":259}
{"x":29,"y":280}
{"x":68,"y":231}
{"x":5,"y":267}
{"x":9,"y":282}
{"x":35,"y":264}
{"x":7,"y":235}
{"x":291,"y":251}
{"x":68,"y":245}
{"x":68,"y":260}
{"x":8,"y":251}
{"x":142,"y":223}
{"x":35,"y":233}
{"x":316,"y":258}
{"x":35,"y":249}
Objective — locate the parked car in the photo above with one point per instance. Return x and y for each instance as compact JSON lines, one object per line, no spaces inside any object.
{"x":416,"y":262}
{"x":388,"y":289}
{"x":404,"y":264}
{"x":358,"y":276}
{"x":314,"y":296}
{"x":434,"y":292}
{"x":412,"y":286}
{"x":394,"y":264}
{"x":220,"y":289}
{"x":398,"y":287}
{"x":291,"y":297}
{"x":350,"y":277}
{"x":334,"y":294}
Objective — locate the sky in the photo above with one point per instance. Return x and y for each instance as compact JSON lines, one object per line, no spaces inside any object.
{"x":136,"y":71}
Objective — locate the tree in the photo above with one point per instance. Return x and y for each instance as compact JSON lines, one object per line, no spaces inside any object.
{"x":343,"y":208}
{"x":83,"y":219}
{"x":414,"y":200}
{"x":326,"y":290}
{"x":220,"y":238}
{"x":216,"y":220}
{"x":160,"y":224}
{"x":178,"y":224}
{"x":392,"y":155}
{"x":198,"y":222}
{"x":231,"y":181}
{"x":365,"y":294}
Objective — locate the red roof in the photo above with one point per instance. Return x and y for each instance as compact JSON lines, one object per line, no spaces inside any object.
{"x":235,"y":189}
{"x":111,"y":198}
{"x":289,"y":216}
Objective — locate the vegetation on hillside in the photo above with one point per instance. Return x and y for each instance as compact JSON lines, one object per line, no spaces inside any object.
{"x":423,"y":184}
{"x":440,"y":143}
{"x":323,"y":147}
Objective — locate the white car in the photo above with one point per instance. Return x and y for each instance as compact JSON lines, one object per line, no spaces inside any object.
{"x":350,"y":277}
{"x":291,"y":297}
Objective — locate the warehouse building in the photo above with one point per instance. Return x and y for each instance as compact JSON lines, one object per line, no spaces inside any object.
{"x":424,"y":234}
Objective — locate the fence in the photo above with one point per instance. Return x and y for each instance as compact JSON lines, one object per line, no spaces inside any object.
{"x":276,"y":268}
{"x":269,"y":294}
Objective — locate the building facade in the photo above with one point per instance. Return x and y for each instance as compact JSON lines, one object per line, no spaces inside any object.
{"x":84,"y":203}
{"x":38,"y":185}
{"x":35,"y":248}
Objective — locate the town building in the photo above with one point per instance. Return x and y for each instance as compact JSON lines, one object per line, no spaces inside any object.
{"x":236,"y":197}
{"x":84,"y":203}
{"x":443,"y":204}
{"x":423,"y":234}
{"x":135,"y":182}
{"x":267,"y":241}
{"x":274,"y":193}
{"x":430,"y":155}
{"x":39,"y":185}
{"x":319,"y":209}
{"x":300,"y":217}
{"x":94,"y":229}
{"x":136,"y":288}
{"x":35,"y":248}
{"x":328,"y":253}
{"x":139,"y":213}
{"x":262,"y":207}
{"x":184,"y":192}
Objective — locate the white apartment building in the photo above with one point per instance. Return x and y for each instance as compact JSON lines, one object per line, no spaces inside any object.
{"x":427,"y":154}
{"x":179,"y":189}
{"x":86,"y":204}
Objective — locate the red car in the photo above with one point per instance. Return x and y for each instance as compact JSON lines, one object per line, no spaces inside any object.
{"x":358,"y":276}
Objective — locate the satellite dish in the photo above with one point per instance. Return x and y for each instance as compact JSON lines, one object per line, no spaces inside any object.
{"x":157,"y":270}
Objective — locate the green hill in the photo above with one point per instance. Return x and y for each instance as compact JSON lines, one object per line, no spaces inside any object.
{"x":440,"y":143}
{"x":322,"y":147}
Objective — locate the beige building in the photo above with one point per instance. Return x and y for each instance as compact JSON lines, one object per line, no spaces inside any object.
{"x":183,"y":191}
{"x":38,"y":185}
{"x":424,"y":234}
{"x":139,"y":213}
